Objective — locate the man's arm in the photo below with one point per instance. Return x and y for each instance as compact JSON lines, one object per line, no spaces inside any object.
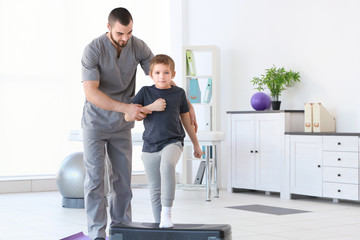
{"x":101,"y":100}
{"x":192,"y":116}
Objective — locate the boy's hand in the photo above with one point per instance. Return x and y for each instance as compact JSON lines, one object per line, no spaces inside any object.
{"x":158,"y":105}
{"x":197,"y":152}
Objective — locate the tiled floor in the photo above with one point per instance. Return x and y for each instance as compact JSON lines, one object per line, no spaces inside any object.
{"x":40,"y":216}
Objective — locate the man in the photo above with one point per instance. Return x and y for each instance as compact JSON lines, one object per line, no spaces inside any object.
{"x":109,"y":66}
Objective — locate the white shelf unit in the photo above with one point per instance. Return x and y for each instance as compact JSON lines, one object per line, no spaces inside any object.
{"x":206,"y":59}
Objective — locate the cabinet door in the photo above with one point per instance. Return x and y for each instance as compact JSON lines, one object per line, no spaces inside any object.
{"x":242,"y":151}
{"x":306,"y":165}
{"x":269,"y":151}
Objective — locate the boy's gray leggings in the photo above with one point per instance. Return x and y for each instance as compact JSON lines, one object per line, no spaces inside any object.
{"x":160,"y":173}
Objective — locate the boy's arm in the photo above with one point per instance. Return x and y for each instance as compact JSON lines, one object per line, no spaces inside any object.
{"x":190,"y":129}
{"x":191,"y":112}
{"x":158,"y":105}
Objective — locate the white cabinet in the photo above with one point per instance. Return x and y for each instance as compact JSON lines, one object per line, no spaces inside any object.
{"x":306,"y":165}
{"x":256,"y":144}
{"x":341,"y":167}
{"x":324,"y":165}
{"x":243,"y":144}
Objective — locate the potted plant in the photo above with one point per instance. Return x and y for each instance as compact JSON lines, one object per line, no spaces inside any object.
{"x":276,"y":80}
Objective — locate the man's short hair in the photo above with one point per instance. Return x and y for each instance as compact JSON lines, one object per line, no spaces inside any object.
{"x":162,"y":59}
{"x":121,"y":15}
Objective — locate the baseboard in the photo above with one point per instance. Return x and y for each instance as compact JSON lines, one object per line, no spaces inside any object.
{"x":23,"y":184}
{"x":138,"y":178}
{"x":28,"y":184}
{"x":44,"y":183}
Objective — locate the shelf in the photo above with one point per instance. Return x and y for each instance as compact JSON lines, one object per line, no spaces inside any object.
{"x":196,"y":159}
{"x":202,"y":63}
{"x":200,"y":76}
{"x":202,"y":104}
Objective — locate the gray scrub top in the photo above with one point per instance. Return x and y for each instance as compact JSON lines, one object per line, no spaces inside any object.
{"x":117,"y":78}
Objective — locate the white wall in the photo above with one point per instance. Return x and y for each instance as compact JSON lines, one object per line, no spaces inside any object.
{"x":41,"y":95}
{"x":318,"y":38}
{"x":42,"y":41}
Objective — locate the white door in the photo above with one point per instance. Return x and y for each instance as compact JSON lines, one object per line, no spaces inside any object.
{"x":269,"y":148}
{"x":243,"y":148}
{"x":306,"y":165}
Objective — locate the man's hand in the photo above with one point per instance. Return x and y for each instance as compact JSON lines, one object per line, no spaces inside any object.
{"x":143,"y":113}
{"x":135,"y":112}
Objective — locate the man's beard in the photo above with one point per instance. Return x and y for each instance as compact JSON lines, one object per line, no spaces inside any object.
{"x":121,"y":45}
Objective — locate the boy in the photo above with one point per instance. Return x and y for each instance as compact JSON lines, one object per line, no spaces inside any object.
{"x":164,"y":135}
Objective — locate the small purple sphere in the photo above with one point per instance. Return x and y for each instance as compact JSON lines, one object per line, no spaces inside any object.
{"x":260,"y":101}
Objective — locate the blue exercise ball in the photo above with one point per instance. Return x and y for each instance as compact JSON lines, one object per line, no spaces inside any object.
{"x":260,"y":101}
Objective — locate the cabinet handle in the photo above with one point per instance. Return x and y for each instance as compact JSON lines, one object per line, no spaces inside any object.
{"x":339,"y":143}
{"x":319,"y":166}
{"x":256,"y":151}
{"x":339,"y":190}
{"x":339,"y":175}
{"x":339,"y":159}
{"x":251,"y":151}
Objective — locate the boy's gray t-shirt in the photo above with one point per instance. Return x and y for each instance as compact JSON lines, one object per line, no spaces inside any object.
{"x":162,"y":128}
{"x":117,"y":78}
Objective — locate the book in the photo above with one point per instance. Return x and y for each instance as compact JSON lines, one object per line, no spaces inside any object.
{"x":194,"y":91}
{"x":203,"y":149}
{"x":208,"y":91}
{"x":191,"y":69}
{"x":308,"y":117}
{"x":323,"y":121}
{"x":200,"y":173}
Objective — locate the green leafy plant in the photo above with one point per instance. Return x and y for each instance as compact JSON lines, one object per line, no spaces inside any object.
{"x":276,"y":80}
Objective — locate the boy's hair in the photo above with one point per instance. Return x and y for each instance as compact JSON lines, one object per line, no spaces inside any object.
{"x":162,"y":59}
{"x":121,"y":15}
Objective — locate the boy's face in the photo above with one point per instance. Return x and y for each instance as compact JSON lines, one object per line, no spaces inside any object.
{"x":162,"y":76}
